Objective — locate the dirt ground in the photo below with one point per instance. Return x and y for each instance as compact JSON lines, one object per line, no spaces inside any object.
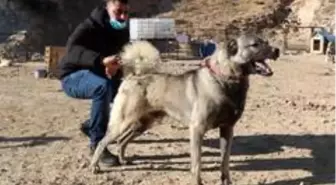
{"x":286,"y":135}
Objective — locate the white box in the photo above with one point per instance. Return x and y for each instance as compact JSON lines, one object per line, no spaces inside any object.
{"x":152,"y":28}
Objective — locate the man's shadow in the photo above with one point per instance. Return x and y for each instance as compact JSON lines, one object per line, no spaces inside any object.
{"x":321,"y":164}
{"x":30,"y":141}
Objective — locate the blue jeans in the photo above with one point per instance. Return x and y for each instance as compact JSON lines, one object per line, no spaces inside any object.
{"x":84,"y":84}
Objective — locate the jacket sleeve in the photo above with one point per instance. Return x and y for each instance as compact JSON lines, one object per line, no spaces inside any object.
{"x":81,"y":48}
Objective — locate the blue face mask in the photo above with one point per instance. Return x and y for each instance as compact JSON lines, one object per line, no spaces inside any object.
{"x":117,"y":24}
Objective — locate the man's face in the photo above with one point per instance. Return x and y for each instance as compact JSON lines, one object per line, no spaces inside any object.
{"x":117,"y":10}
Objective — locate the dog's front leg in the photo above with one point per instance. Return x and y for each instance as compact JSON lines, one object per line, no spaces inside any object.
{"x":226,"y":135}
{"x":196,"y":137}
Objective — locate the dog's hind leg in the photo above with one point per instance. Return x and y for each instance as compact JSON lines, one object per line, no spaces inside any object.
{"x":109,"y":137}
{"x":129,"y":134}
{"x":123,"y":142}
{"x":226,"y":135}
{"x":140,"y":127}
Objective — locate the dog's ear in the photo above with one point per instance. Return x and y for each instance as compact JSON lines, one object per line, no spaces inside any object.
{"x":232,"y":47}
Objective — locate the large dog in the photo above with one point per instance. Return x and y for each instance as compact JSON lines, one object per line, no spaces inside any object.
{"x":212,"y":96}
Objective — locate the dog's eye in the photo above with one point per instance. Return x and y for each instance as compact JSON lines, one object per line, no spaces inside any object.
{"x":255,"y":45}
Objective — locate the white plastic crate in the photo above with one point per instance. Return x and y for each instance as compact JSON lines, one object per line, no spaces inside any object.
{"x":152,"y":28}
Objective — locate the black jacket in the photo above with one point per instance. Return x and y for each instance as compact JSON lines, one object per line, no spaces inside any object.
{"x":90,"y":42}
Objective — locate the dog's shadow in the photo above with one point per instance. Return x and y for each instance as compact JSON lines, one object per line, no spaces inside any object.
{"x":321,"y":164}
{"x":30,"y":141}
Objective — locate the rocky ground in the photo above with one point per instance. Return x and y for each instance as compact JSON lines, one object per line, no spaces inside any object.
{"x":285,"y":137}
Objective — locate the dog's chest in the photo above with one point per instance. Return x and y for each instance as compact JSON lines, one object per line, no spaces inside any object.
{"x":232,"y":106}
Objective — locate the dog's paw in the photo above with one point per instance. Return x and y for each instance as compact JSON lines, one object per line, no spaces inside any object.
{"x":197,"y":182}
{"x":226,"y":182}
{"x":125,"y":162}
{"x":95,"y":169}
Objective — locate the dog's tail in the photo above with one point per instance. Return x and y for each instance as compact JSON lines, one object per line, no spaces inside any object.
{"x":139,"y":57}
{"x":140,"y":53}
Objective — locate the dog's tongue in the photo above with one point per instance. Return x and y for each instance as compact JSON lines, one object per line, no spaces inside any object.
{"x":263,"y":68}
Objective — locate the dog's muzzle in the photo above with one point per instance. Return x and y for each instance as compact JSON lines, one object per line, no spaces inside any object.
{"x":262,"y":68}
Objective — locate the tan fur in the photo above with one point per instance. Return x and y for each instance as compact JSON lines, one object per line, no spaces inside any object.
{"x":203,"y":99}
{"x":140,"y":57}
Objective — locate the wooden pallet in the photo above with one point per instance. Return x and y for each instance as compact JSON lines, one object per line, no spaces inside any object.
{"x":52,"y":56}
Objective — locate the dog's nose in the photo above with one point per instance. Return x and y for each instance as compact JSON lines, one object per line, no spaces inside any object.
{"x":276,"y":53}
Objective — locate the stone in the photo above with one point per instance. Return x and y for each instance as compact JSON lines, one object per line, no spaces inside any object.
{"x":5,"y":62}
{"x":36,"y":57}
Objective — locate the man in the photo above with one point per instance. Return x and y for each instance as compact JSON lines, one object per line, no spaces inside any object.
{"x":89,"y":69}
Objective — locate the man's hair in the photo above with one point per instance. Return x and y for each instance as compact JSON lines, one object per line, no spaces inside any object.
{"x":121,"y":1}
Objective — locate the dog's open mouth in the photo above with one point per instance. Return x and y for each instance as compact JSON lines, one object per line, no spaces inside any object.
{"x":262,"y":68}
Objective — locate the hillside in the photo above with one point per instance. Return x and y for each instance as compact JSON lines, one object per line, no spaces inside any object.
{"x":211,"y":18}
{"x":201,"y":18}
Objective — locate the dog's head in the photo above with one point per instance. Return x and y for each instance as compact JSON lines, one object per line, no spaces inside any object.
{"x":251,"y":53}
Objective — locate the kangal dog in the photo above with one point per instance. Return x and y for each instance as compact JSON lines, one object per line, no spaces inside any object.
{"x":210,"y":97}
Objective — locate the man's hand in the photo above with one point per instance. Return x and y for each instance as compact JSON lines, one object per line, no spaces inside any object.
{"x":112,"y":65}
